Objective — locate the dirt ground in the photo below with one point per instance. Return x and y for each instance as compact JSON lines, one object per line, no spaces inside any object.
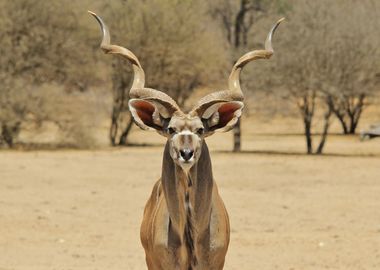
{"x":82,"y":209}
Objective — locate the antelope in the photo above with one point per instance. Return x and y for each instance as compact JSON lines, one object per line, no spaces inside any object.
{"x":185,"y":224}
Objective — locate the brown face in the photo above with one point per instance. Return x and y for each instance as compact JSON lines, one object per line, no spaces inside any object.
{"x":185,"y":132}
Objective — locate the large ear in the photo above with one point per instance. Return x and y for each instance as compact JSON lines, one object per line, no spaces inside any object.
{"x":149,"y":115}
{"x":222,"y":116}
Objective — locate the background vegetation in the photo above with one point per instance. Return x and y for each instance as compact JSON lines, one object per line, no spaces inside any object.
{"x":57,"y":88}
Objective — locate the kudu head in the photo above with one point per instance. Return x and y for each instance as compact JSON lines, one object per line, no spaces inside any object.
{"x":154,"y":110}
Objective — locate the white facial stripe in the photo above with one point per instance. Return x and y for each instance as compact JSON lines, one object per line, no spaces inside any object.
{"x":186,"y":161}
{"x":185,"y":132}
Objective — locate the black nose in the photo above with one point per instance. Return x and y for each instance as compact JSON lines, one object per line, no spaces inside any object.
{"x":186,"y":154}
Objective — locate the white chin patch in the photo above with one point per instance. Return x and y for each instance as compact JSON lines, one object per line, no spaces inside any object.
{"x":186,"y":165}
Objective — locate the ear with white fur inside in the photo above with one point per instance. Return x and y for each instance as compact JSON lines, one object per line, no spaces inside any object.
{"x":148,"y":115}
{"x":222,"y":116}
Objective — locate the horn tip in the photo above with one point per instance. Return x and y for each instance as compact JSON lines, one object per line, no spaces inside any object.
{"x":268,"y":41}
{"x":281,"y":20}
{"x":91,"y":12}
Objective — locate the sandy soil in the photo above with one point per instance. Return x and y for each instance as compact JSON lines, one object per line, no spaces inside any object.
{"x":82,"y":209}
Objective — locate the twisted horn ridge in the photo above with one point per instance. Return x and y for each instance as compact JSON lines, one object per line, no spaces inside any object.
{"x":107,"y":47}
{"x":235,"y":93}
{"x":137,"y":89}
{"x":234,"y":79}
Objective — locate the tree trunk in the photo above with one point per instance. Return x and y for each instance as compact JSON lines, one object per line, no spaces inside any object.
{"x":8,"y":133}
{"x":309,"y":139}
{"x":237,"y":136}
{"x":118,"y":86}
{"x":353,"y":125}
{"x":342,"y":122}
{"x":354,"y":112}
{"x":114,"y":125}
{"x":239,"y":20}
{"x":354,"y":119}
{"x":307,"y":107}
{"x":124,"y":135}
{"x":325,"y":132}
{"x":238,"y":28}
{"x":335,"y":105}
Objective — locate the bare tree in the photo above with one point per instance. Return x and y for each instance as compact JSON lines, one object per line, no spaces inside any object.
{"x":300,"y":64}
{"x":322,"y":61}
{"x":353,"y":65}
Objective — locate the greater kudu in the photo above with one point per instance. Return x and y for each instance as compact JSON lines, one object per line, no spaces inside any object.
{"x":185,"y":224}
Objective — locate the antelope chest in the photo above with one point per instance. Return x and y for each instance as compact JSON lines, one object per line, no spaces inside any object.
{"x":166,"y":250}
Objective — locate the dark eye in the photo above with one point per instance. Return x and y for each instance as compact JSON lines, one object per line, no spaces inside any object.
{"x":200,"y":131}
{"x":171,"y":130}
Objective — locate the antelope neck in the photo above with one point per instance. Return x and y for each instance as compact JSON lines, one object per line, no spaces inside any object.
{"x":188,"y":195}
